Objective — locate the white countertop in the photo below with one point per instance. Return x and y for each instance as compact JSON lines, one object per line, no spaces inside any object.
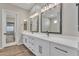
{"x":64,"y":40}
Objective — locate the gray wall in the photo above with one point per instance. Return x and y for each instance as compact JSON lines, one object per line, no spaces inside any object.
{"x":0,"y":30}
{"x":70,"y":19}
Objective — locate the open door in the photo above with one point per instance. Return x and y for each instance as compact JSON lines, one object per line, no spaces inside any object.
{"x":8,"y":28}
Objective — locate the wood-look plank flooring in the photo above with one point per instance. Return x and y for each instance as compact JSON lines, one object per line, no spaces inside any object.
{"x":17,"y":50}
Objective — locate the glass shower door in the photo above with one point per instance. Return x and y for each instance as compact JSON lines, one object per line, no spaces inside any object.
{"x":10,"y":37}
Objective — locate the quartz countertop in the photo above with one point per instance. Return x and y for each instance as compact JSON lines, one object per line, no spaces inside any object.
{"x":64,"y":40}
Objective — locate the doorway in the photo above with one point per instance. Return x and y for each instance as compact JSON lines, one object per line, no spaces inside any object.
{"x":8,"y":28}
{"x":10,"y":37}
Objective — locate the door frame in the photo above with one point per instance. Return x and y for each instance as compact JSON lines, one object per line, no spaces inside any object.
{"x":3,"y":28}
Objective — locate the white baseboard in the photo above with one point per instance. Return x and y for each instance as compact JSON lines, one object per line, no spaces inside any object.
{"x":1,"y":47}
{"x":16,"y":44}
{"x":19,"y":43}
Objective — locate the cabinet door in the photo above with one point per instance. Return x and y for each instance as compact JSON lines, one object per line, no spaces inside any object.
{"x":24,"y":37}
{"x":32,"y":44}
{"x":29,"y":44}
{"x":60,"y":50}
{"x":42,"y":47}
{"x":35,"y":46}
{"x":26,"y":41}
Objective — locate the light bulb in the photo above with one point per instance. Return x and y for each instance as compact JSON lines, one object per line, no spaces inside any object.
{"x":25,"y":20}
{"x":55,"y":21}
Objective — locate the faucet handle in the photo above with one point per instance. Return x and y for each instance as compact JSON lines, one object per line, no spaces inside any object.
{"x":47,"y":33}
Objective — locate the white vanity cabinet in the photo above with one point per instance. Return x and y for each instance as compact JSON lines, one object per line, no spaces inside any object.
{"x":30,"y":43}
{"x":61,"y":50}
{"x":26,"y":41}
{"x":33,"y":44}
{"x":46,"y":47}
{"x":42,"y":47}
{"x":37,"y":46}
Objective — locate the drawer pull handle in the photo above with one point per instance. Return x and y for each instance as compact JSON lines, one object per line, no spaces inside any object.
{"x":40,"y":49}
{"x":32,"y":43}
{"x":61,"y":49}
{"x":26,"y":40}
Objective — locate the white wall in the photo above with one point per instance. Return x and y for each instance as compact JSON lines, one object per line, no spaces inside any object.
{"x":23,"y":14}
{"x":0,"y":30}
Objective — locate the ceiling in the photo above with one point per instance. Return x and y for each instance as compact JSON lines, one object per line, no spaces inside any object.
{"x":26,"y":6}
{"x":30,"y":7}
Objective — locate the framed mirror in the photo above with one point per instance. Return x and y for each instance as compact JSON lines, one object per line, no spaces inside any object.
{"x":44,"y":23}
{"x":51,"y":20}
{"x":78,"y":14}
{"x":25,"y":25}
{"x":34,"y":24}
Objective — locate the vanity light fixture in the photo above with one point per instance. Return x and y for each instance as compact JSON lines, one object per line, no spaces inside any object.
{"x":45,"y":9}
{"x":34,"y":15}
{"x":48,"y":7}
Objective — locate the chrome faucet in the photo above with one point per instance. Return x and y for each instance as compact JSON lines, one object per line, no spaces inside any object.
{"x":47,"y":33}
{"x":32,"y":32}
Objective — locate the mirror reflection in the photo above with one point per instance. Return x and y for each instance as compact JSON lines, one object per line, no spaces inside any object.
{"x":51,"y":20}
{"x":35,"y":24}
{"x":25,"y":25}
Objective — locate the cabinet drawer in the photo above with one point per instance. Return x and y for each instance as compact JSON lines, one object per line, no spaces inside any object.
{"x":43,"y":47}
{"x":61,"y":50}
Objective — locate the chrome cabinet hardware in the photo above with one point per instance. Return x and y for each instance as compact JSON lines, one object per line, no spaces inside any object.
{"x":60,"y":49}
{"x":40,"y":49}
{"x":26,"y":40}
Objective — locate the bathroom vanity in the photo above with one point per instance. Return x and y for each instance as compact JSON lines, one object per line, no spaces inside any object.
{"x":55,"y":43}
{"x":42,"y":45}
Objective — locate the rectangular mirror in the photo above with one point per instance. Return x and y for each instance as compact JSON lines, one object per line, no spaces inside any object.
{"x":52,"y":20}
{"x":78,"y":14}
{"x":34,"y":24}
{"x":25,"y":25}
{"x":44,"y":23}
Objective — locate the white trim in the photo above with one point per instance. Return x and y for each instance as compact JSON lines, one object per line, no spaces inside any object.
{"x":3,"y":29}
{"x":3,"y":20}
{"x":1,"y":48}
{"x":19,"y":43}
{"x":10,"y":44}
